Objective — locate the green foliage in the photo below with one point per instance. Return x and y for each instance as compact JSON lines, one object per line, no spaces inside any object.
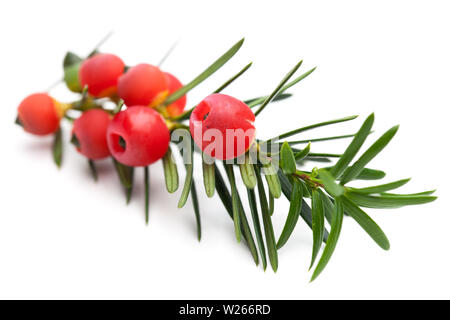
{"x":209,"y":178}
{"x":287,"y":159}
{"x":316,"y":196}
{"x":293,"y":215}
{"x":57,"y":148}
{"x":170,"y":171}
{"x":205,"y":74}
{"x":278,"y":89}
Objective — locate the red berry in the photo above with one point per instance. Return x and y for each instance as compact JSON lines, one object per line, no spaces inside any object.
{"x":138,"y":136}
{"x":222,"y":126}
{"x":142,"y":85}
{"x":176,"y":108}
{"x":101,"y":73}
{"x":40,"y":114}
{"x":89,"y":134}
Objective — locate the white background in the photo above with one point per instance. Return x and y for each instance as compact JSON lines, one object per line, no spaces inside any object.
{"x":63,"y":236}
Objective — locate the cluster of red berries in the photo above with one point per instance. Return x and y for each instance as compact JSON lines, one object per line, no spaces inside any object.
{"x":139,"y":135}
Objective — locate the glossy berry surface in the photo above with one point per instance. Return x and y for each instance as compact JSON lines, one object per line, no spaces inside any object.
{"x":39,"y":114}
{"x":173,"y":84}
{"x":89,"y":134}
{"x":138,"y":136}
{"x":101,"y":73}
{"x":222,"y":126}
{"x":142,"y":85}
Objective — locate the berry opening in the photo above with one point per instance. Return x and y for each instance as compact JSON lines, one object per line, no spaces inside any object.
{"x":122,"y":143}
{"x":75,"y":141}
{"x":18,"y":122}
{"x":119,"y":143}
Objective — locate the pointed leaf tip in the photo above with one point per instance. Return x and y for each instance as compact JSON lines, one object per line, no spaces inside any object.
{"x":58,"y":148}
{"x":352,"y":172}
{"x":216,"y":65}
{"x":336,"y":226}
{"x":318,"y":225}
{"x":287,"y":163}
{"x":353,"y":148}
{"x":279,"y":88}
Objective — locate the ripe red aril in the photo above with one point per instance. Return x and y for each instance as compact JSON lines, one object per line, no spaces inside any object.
{"x":89,"y":134}
{"x":143,"y":85}
{"x":176,"y":108}
{"x":138,"y":136}
{"x":40,"y":114}
{"x":100,"y":74}
{"x":222,"y":126}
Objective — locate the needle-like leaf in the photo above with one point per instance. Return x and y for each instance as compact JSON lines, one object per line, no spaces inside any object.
{"x":168,"y":53}
{"x":353,"y":148}
{"x":297,"y":80}
{"x":209,"y":180}
{"x":287,"y":159}
{"x":233,"y":78}
{"x":323,"y":155}
{"x":372,"y":229}
{"x":196,"y":211}
{"x":301,"y":155}
{"x":271,"y":204}
{"x":278,"y":88}
{"x":371,"y":174}
{"x":247,"y":233}
{"x":331,"y":186}
{"x":123,"y":173}
{"x":234,"y":200}
{"x":335,"y":231}
{"x":57,"y":148}
{"x":306,"y":213}
{"x":352,"y":172}
{"x":170,"y":171}
{"x":386,"y":201}
{"x":293,"y":143}
{"x":225,"y":197}
{"x":424,"y":193}
{"x":257,"y":226}
{"x":188,"y":180}
{"x":327,"y":206}
{"x":316,"y":159}
{"x":273,"y":182}
{"x":129,"y":193}
{"x":223,"y":192}
{"x":318,"y":225}
{"x":267,"y":222}
{"x":205,"y":74}
{"x":310,"y":127}
{"x":185,"y":115}
{"x":257,"y":101}
{"x":126,"y":177}
{"x":294,"y":213}
{"x":18,"y":122}
{"x":93,"y":169}
{"x":248,"y":173}
{"x":281,"y":94}
{"x":71,"y":59}
{"x":381,"y":188}
{"x":307,"y":190}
